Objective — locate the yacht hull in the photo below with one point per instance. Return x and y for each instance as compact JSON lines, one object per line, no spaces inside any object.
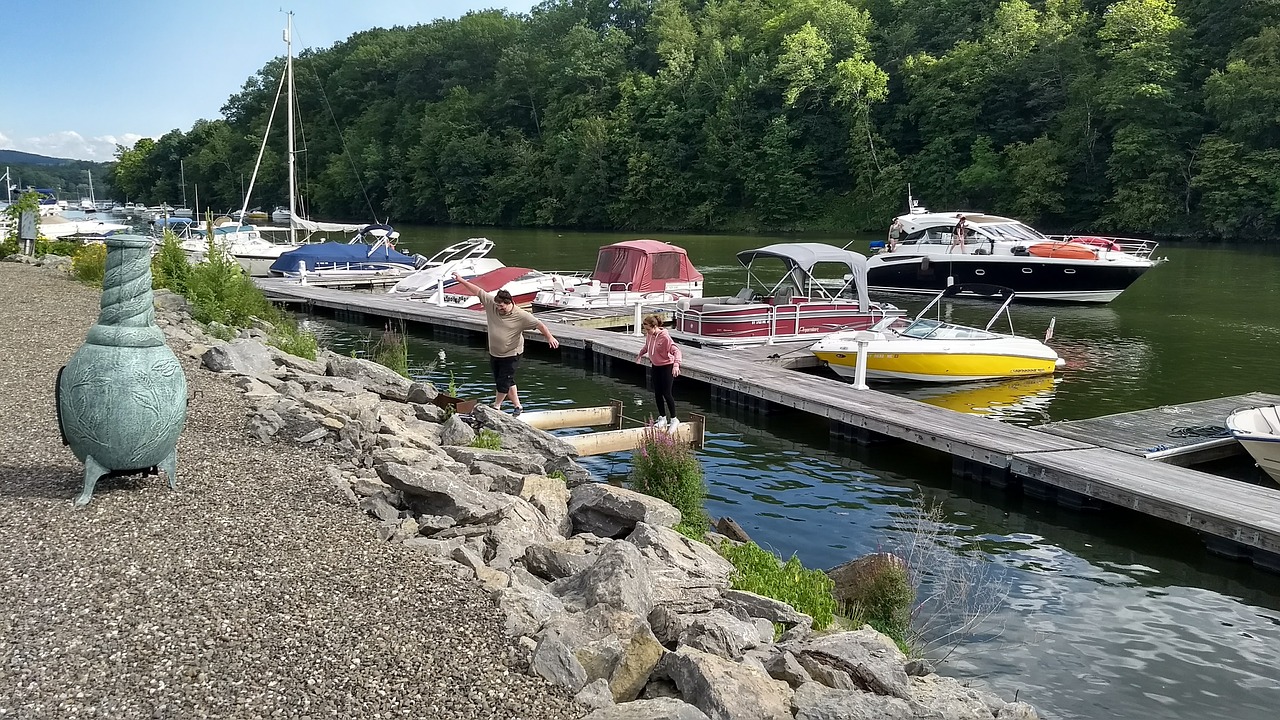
{"x":1048,"y":279}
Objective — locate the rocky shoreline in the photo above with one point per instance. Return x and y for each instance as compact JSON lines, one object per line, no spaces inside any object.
{"x":598,"y":595}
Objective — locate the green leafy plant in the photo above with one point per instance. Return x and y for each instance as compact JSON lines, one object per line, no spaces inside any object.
{"x":488,"y":440}
{"x":64,"y":248}
{"x":392,"y":350}
{"x":291,"y":338}
{"x":28,"y":201}
{"x":669,"y":470}
{"x":89,"y":265}
{"x":169,"y":266}
{"x":761,"y":572}
{"x":557,"y":474}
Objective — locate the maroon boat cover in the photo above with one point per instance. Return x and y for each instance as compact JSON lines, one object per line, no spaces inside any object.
{"x":643,"y":265}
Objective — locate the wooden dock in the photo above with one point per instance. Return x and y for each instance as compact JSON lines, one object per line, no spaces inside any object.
{"x":1069,"y":464}
{"x":1186,"y":434}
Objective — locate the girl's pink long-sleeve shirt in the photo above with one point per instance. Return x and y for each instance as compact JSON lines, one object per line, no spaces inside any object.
{"x":661,"y":349}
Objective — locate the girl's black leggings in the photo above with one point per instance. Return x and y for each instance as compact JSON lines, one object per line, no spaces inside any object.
{"x":662,"y":382}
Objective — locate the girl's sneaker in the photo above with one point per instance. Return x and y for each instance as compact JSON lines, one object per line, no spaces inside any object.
{"x":671,"y":427}
{"x":661,"y":424}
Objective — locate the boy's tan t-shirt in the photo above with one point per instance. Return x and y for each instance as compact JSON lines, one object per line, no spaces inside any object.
{"x":506,"y":332}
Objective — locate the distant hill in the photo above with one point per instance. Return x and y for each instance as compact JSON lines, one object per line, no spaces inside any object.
{"x":15,"y":157}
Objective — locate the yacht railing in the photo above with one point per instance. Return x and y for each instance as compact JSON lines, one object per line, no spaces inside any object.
{"x":1131,"y":246}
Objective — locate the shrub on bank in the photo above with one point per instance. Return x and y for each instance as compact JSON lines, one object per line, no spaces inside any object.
{"x":763,"y":573}
{"x":222,"y":295}
{"x":669,"y":470}
{"x":89,"y":264}
{"x":487,"y":440}
{"x":392,"y":350}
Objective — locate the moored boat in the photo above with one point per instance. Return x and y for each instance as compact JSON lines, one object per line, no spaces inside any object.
{"x":1258,"y":430}
{"x":468,"y":258}
{"x":928,"y":252}
{"x":799,"y":305}
{"x":931,"y":350}
{"x":626,"y":273}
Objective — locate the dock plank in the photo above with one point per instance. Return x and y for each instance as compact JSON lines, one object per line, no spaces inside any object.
{"x":1150,"y":433}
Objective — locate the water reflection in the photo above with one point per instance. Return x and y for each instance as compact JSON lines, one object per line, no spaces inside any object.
{"x":1100,"y":615}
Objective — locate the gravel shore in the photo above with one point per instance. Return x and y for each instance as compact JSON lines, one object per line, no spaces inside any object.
{"x":254,"y":590}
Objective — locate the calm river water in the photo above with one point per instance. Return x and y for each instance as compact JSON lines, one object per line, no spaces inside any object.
{"x":1098,"y":614}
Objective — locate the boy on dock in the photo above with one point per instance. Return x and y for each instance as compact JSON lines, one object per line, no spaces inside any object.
{"x":665,"y":357}
{"x":506,"y":324}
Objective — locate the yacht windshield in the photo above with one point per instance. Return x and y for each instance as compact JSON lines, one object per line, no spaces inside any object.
{"x":1011,"y":232}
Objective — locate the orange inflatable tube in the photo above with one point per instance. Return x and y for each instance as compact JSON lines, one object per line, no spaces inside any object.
{"x":1068,"y":250}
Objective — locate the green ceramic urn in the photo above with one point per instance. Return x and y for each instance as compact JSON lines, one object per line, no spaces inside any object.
{"x":122,"y":397}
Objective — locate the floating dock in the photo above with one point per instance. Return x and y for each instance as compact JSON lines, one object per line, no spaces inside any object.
{"x":1070,"y":463}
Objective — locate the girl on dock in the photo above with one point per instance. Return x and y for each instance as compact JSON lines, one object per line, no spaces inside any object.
{"x":665,"y":357}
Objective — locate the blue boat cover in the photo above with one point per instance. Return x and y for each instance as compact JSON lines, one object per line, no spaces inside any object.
{"x":354,"y":256}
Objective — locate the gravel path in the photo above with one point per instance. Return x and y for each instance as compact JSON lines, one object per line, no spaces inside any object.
{"x":251,"y":591}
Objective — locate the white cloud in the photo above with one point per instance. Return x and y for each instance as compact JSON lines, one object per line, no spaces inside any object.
{"x":71,"y":144}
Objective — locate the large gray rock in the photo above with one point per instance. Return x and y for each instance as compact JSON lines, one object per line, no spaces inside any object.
{"x":526,"y":608}
{"x":456,"y":432}
{"x":618,"y":578}
{"x":688,"y":575}
{"x":516,"y":526}
{"x":434,"y":493}
{"x":246,"y":357}
{"x":298,"y":364}
{"x":519,"y":436}
{"x":521,"y":463}
{"x":551,"y":497}
{"x":745,"y":604}
{"x":553,"y":661}
{"x":862,"y":659}
{"x":612,"y":641}
{"x":655,"y":709}
{"x":815,"y":701}
{"x":726,"y":690}
{"x":611,"y":511}
{"x":720,"y":633}
{"x":376,"y":378}
{"x":558,"y":558}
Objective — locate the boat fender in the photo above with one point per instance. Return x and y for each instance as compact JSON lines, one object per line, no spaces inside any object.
{"x":1019,"y":250}
{"x":924,"y":264}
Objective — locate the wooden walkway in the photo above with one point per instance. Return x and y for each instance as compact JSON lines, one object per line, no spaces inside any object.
{"x":1186,"y":434}
{"x":1070,"y":465}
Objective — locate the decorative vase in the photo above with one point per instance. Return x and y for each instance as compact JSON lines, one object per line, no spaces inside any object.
{"x":122,"y":397}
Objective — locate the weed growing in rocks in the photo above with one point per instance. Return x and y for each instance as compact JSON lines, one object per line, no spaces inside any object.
{"x":957,"y":589}
{"x":877,"y":590}
{"x":669,"y":470}
{"x":89,"y":264}
{"x":761,"y":572}
{"x":169,"y":266}
{"x":392,"y":350}
{"x":487,"y":440}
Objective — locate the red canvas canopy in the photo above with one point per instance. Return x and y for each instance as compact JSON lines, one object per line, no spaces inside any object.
{"x":643,"y":265}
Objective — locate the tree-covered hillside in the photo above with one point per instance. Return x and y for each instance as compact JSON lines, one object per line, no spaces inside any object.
{"x":1139,"y":116}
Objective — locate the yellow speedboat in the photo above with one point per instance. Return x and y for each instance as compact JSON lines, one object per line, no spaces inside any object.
{"x":931,"y":350}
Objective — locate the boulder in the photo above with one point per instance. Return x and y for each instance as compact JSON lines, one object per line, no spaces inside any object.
{"x":434,"y":493}
{"x":374,"y":377}
{"x":862,"y":659}
{"x":815,"y":701}
{"x":519,"y":436}
{"x":724,"y":689}
{"x":611,"y":511}
{"x":655,"y":709}
{"x":618,"y":577}
{"x":246,"y":357}
{"x":688,"y":575}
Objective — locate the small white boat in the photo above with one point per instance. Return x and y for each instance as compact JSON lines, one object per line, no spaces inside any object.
{"x":1258,"y":430}
{"x":931,"y":350}
{"x":468,"y":258}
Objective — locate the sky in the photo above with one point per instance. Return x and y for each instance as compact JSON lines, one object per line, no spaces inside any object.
{"x":81,"y":76}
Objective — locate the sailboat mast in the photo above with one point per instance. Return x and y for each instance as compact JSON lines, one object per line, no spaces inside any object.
{"x":293,"y":184}
{"x":182,"y":170}
{"x":91,"y":198}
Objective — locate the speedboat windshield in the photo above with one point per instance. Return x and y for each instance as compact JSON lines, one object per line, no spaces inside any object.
{"x":936,"y":330}
{"x":1010,"y":232}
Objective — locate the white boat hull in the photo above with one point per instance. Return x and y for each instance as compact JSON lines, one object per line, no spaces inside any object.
{"x":1258,"y":430}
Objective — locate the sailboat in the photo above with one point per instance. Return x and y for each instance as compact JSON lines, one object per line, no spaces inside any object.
{"x":371,"y":250}
{"x":184,"y":211}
